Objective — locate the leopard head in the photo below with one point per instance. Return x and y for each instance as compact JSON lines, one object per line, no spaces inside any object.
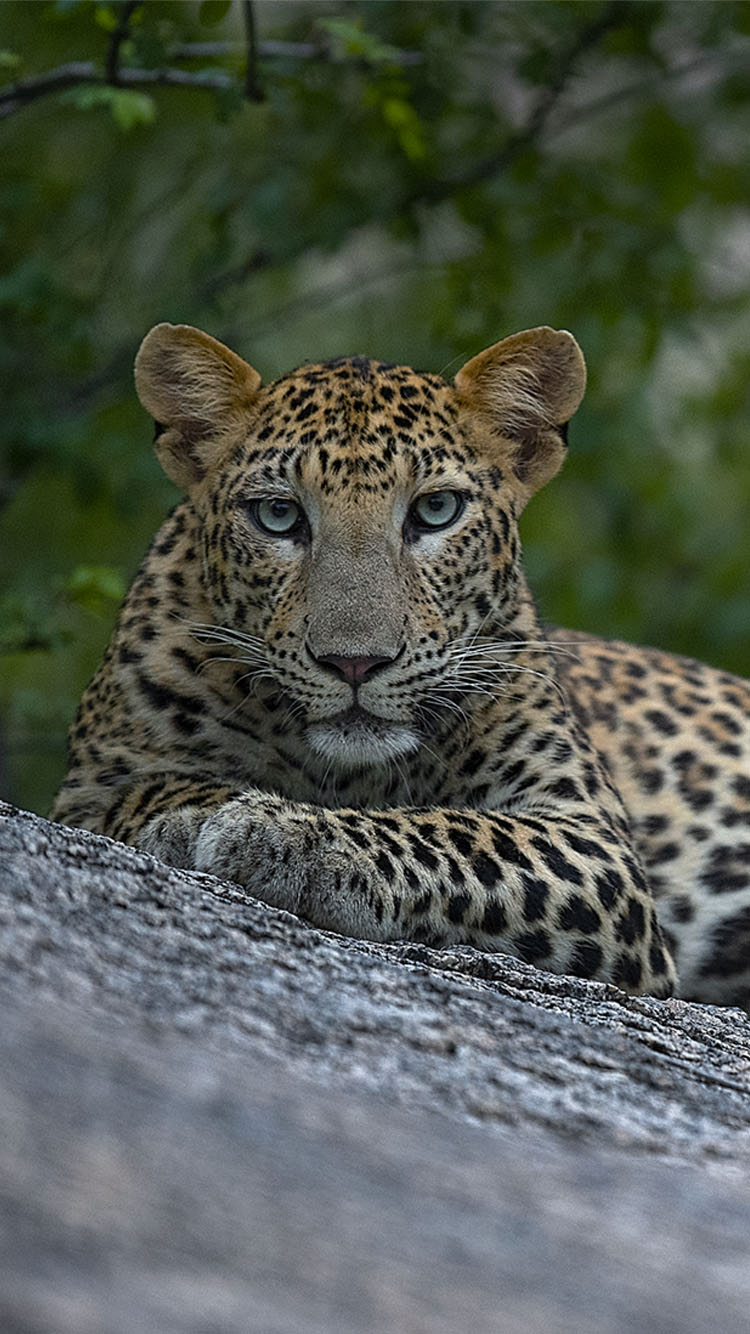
{"x":358,"y":519}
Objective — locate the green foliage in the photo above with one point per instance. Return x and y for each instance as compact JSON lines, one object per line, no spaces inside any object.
{"x":34,"y":621}
{"x":417,"y":181}
{"x":214,"y":11}
{"x":350,"y":37}
{"x":127,"y":107}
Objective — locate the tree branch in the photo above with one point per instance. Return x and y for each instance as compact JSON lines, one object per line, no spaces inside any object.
{"x":18,"y":95}
{"x":432,"y":191}
{"x":271,"y":49}
{"x":119,"y":35}
{"x":253,"y":91}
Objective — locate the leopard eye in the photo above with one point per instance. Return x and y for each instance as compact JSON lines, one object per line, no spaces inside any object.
{"x":277,"y":515}
{"x":436,"y":509}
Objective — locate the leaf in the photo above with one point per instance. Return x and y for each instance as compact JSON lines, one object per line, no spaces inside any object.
{"x":150,"y":48}
{"x":106,"y":18}
{"x":128,"y":108}
{"x":212,"y":12}
{"x":95,"y":587}
{"x":9,"y":60}
{"x":403,"y":120}
{"x":351,"y":39}
{"x":228,"y":101}
{"x":25,"y":625}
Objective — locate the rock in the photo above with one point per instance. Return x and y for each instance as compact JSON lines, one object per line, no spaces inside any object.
{"x":216,"y":1118}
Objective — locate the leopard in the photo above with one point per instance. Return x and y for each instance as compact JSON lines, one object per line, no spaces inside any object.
{"x":329,"y":683}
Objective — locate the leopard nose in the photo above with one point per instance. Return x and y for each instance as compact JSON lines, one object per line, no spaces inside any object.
{"x":353,"y":670}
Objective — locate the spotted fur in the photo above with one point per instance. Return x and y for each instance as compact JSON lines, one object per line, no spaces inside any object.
{"x":362,"y":720}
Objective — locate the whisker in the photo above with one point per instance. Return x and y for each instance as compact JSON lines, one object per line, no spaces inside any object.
{"x":504,"y":649}
{"x":439,"y":759}
{"x":208,"y":662}
{"x":205,"y":632}
{"x":255,"y":675}
{"x":443,"y":696}
{"x":404,"y":776}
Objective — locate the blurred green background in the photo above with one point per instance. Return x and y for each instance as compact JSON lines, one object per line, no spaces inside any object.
{"x":411,"y":181}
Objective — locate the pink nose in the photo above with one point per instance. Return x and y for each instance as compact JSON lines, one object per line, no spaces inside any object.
{"x":353,"y":670}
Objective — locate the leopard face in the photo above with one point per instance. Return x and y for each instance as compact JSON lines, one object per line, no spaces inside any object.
{"x":360,"y":540}
{"x":356,"y":539}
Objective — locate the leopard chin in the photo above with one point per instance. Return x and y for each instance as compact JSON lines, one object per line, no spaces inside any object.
{"x":359,"y":740}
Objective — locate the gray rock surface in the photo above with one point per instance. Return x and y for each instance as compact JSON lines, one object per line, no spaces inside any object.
{"x":215,"y":1118}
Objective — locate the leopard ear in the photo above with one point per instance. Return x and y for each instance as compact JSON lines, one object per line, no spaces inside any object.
{"x":200,"y":395}
{"x":529,"y":386}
